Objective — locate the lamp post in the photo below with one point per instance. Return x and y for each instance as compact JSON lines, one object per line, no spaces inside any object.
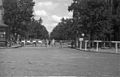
{"x":76,"y":39}
{"x":81,"y":39}
{"x":83,"y":35}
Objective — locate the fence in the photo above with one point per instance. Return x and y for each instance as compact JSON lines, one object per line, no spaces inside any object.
{"x":100,"y":46}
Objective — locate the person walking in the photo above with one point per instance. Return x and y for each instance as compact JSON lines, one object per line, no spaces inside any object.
{"x":60,"y":43}
{"x":49,"y":42}
{"x":53,"y":42}
{"x":46,"y":42}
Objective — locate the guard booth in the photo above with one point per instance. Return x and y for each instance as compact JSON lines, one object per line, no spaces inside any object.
{"x":3,"y":35}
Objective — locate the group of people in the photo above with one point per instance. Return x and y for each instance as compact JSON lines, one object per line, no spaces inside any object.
{"x":53,"y":43}
{"x":50,"y":42}
{"x":46,"y":43}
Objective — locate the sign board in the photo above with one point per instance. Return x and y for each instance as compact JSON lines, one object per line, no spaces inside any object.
{"x":81,"y":39}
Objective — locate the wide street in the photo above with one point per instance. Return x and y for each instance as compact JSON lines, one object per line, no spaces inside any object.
{"x":42,"y":61}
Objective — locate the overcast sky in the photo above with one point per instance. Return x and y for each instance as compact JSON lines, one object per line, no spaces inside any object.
{"x":51,"y":11}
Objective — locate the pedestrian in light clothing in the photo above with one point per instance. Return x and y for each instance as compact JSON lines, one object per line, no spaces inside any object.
{"x":53,"y":42}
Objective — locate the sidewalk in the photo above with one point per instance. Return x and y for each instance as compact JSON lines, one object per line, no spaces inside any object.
{"x":13,"y":46}
{"x":100,"y":50}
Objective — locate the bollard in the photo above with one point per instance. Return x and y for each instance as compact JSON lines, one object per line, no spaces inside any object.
{"x":80,"y":45}
{"x":97,"y":46}
{"x":86,"y":45}
{"x":116,"y":47}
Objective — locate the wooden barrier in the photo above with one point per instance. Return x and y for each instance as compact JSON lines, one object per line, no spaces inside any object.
{"x":97,"y":44}
{"x":116,"y":45}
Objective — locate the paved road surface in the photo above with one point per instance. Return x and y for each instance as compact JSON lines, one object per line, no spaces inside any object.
{"x":36,"y":61}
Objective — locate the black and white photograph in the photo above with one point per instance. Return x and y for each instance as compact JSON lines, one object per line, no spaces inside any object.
{"x":59,"y":38}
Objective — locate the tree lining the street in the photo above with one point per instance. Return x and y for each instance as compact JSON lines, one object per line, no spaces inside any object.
{"x":37,"y":30}
{"x":63,"y":30}
{"x":97,"y":19}
{"x":18,"y":15}
{"x":94,"y":17}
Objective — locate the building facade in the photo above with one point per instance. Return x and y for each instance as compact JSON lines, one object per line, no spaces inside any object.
{"x":3,"y":27}
{"x":1,"y":10}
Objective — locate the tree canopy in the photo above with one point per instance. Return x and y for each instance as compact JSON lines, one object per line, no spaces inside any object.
{"x":18,"y":14}
{"x":36,"y":30}
{"x":97,"y":19}
{"x":63,"y":30}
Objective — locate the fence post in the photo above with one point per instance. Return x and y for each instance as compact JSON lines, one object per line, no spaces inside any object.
{"x":80,"y":45}
{"x":97,"y":46}
{"x":116,"y":47}
{"x":86,"y":45}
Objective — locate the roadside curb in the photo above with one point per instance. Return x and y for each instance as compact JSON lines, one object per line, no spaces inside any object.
{"x":14,"y":46}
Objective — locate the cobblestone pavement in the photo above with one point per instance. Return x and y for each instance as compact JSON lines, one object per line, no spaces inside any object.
{"x":41,"y":61}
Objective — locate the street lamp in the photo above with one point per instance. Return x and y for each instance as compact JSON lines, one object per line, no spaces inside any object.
{"x":81,"y":39}
{"x":4,"y":33}
{"x":82,"y":34}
